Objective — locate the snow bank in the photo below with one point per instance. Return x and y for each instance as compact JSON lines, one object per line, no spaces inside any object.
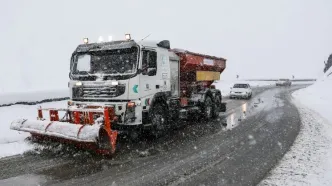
{"x":309,"y":161}
{"x":32,"y":96}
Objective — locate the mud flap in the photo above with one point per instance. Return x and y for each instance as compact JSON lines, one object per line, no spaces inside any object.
{"x":107,"y":140}
{"x":223,"y":107}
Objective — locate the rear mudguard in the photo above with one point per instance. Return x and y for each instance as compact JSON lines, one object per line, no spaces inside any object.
{"x":223,"y":107}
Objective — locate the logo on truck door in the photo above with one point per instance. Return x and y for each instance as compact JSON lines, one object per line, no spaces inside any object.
{"x":135,"y":88}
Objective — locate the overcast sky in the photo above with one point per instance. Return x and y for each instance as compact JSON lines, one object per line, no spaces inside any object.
{"x":259,"y":38}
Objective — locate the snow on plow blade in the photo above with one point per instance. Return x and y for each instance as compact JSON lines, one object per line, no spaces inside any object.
{"x":85,"y":127}
{"x":76,"y":132}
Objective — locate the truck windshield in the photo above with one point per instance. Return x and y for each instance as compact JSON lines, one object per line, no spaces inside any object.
{"x":112,"y":62}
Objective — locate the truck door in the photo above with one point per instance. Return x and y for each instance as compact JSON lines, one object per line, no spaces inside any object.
{"x":149,"y":73}
{"x":155,"y":72}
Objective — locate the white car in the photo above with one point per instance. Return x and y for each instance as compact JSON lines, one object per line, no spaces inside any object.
{"x":283,"y":82}
{"x":241,"y":90}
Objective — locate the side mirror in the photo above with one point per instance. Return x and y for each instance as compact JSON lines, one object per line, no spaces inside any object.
{"x":152,"y":71}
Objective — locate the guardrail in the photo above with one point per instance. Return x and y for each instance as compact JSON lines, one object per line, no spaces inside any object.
{"x":294,"y":80}
{"x":34,"y":102}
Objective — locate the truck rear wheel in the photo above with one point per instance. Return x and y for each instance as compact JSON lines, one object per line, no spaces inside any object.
{"x":217,"y":106}
{"x":159,"y":120}
{"x":208,"y":108}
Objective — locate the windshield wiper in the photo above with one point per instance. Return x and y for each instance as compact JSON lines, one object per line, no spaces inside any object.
{"x":86,"y":73}
{"x":112,"y":72}
{"x":94,"y":47}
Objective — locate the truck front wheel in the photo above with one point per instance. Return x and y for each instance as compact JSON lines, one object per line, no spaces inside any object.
{"x":159,"y":120}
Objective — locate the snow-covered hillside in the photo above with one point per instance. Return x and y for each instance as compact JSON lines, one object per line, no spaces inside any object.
{"x":318,"y":96}
{"x":309,"y":161}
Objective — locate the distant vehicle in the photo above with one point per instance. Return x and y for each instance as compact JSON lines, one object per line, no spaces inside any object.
{"x":241,"y":90}
{"x":283,"y":82}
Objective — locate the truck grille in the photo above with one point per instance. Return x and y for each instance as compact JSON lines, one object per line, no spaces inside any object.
{"x":99,"y":92}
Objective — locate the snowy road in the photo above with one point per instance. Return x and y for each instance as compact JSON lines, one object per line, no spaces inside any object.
{"x":258,"y":133}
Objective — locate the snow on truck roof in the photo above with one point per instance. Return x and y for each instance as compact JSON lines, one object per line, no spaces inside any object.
{"x":105,"y":46}
{"x":131,"y":43}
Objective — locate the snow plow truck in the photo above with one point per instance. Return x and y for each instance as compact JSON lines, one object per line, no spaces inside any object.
{"x":125,"y":86}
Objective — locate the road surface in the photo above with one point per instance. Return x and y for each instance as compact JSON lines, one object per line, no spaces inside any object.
{"x":259,"y":132}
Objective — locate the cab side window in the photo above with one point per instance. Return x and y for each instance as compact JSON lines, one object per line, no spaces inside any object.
{"x":149,"y":63}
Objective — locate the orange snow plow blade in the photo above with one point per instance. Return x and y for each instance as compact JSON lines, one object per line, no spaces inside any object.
{"x":86,"y":127}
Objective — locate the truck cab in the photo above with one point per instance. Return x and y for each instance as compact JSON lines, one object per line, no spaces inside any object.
{"x":124,"y":74}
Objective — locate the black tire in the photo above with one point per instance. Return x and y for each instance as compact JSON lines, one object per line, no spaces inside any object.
{"x":217,"y":106}
{"x":159,"y":120}
{"x":207,"y":109}
{"x":249,"y":96}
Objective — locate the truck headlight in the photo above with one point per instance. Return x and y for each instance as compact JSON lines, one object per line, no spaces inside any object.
{"x":78,"y":83}
{"x":114,"y":83}
{"x":130,"y":111}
